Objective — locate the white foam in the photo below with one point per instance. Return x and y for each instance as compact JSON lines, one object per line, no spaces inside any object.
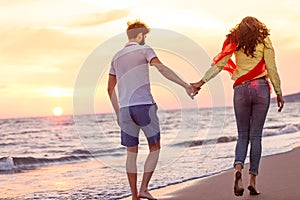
{"x":270,"y":132}
{"x":289,"y":129}
{"x":7,"y":164}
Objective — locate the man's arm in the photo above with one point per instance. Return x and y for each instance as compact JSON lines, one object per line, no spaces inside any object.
{"x":112,"y":81}
{"x":169,"y":74}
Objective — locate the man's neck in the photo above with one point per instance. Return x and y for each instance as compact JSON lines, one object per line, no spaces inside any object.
{"x":133,"y":40}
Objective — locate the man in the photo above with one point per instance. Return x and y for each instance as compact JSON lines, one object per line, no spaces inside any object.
{"x":135,"y":107}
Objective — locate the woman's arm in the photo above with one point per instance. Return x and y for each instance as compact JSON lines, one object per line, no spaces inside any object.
{"x":269,"y":57}
{"x":211,"y":73}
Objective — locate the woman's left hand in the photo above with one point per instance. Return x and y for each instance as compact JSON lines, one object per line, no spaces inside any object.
{"x":280,"y":102}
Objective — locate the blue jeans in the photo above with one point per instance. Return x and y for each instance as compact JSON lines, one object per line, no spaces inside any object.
{"x":251,"y":104}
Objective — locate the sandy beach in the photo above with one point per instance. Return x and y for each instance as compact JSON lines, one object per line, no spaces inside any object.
{"x":56,"y":162}
{"x":279,"y":179}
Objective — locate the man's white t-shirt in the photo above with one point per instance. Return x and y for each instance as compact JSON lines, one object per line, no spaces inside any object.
{"x":131,"y":68}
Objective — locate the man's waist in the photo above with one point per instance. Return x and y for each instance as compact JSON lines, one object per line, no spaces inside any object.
{"x":128,"y":104}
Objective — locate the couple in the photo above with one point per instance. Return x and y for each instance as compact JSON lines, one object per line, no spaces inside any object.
{"x":135,"y":107}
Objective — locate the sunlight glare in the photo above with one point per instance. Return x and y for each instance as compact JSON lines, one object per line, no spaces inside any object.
{"x":57,"y":111}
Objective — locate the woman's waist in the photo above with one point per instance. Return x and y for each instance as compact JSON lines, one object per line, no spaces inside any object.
{"x":262,"y":80}
{"x":239,"y":73}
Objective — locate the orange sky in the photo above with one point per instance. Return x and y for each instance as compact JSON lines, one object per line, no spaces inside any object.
{"x":44,"y":44}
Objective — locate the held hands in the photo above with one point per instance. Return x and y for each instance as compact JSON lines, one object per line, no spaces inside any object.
{"x":192,"y":89}
{"x":189,"y":90}
{"x":196,"y":87}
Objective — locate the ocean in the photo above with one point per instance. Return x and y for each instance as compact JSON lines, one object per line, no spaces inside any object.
{"x":80,"y":157}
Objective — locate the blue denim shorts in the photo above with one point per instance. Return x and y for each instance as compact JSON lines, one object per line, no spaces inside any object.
{"x":132,"y":119}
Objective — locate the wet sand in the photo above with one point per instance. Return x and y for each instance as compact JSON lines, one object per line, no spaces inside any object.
{"x":279,"y":179}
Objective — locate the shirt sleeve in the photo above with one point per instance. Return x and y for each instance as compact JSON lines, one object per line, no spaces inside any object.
{"x":149,"y":53}
{"x":112,"y":70}
{"x":269,"y":57}
{"x":215,"y":69}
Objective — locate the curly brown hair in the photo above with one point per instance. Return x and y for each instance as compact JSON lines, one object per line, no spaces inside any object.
{"x":136,"y":27}
{"x":248,"y":34}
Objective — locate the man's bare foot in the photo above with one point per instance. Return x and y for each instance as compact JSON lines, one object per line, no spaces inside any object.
{"x":253,"y":190}
{"x":146,"y":195}
{"x":135,"y":197}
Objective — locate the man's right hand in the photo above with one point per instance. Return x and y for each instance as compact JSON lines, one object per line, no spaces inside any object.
{"x":190,"y":91}
{"x":196,"y":88}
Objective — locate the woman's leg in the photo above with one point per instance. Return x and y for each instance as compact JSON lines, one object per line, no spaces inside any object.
{"x":261,"y":102}
{"x":242,"y":109}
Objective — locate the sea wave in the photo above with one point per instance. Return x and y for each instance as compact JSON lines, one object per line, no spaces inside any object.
{"x":17,"y":164}
{"x":7,"y":144}
{"x":268,"y":131}
{"x":12,"y":164}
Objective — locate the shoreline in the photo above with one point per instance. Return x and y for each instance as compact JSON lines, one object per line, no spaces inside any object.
{"x":282,"y":186}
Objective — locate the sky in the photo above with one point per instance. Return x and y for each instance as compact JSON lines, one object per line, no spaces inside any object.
{"x":44,"y":44}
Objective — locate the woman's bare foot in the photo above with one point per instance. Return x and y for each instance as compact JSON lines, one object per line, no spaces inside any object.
{"x":238,"y":184}
{"x":252,"y":185}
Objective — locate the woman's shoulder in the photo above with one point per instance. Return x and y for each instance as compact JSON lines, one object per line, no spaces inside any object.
{"x":268,"y":43}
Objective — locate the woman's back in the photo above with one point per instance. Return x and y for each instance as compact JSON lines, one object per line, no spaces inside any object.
{"x":246,"y":63}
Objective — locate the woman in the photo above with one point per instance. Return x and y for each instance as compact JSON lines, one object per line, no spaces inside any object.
{"x":255,"y":63}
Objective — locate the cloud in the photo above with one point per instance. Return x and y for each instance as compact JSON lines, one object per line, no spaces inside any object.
{"x":16,"y":2}
{"x":31,"y":56}
{"x":31,"y":46}
{"x":53,"y":92}
{"x":96,"y":19}
{"x":3,"y":87}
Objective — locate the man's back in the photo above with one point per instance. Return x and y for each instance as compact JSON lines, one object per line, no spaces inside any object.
{"x":131,"y":67}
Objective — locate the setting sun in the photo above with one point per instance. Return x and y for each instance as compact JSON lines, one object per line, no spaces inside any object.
{"x":57,"y":111}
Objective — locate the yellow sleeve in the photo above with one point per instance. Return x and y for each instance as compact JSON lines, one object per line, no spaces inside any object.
{"x":269,"y":57}
{"x":216,"y":69}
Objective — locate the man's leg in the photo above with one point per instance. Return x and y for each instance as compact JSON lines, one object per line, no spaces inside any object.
{"x":149,"y":168}
{"x":129,"y":139}
{"x":145,"y":116}
{"x":131,"y":170}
